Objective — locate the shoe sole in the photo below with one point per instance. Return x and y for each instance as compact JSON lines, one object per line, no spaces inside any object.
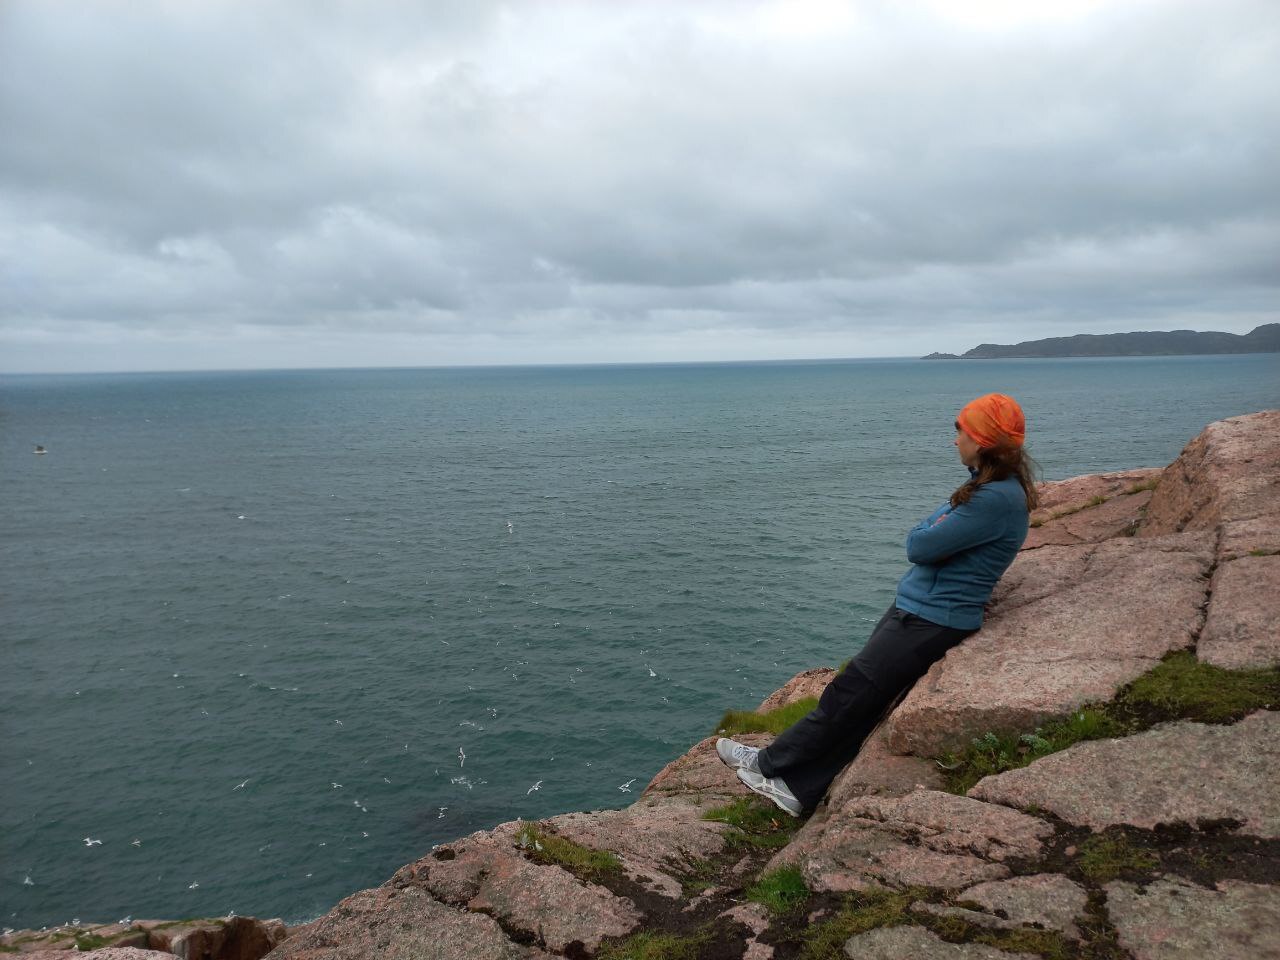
{"x":762,"y":792}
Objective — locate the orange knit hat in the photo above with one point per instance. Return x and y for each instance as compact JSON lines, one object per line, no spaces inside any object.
{"x":994,"y":420}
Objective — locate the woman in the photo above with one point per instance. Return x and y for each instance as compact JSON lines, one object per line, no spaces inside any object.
{"x":957,"y":554}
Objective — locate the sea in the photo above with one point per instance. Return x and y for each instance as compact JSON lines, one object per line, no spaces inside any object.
{"x":267,"y":636}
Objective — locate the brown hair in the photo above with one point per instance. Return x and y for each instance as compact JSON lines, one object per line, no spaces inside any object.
{"x":998,"y":463}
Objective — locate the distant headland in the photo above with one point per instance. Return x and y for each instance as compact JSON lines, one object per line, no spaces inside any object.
{"x":1147,"y":343}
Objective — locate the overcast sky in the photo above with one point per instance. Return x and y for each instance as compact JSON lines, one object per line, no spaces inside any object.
{"x":197,"y":184}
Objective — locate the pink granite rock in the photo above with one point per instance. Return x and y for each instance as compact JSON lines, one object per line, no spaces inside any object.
{"x":103,"y":953}
{"x":700,"y":774}
{"x":1071,"y":625}
{"x":809,"y":683}
{"x":1174,"y":920}
{"x":917,"y":943}
{"x":1243,"y":626}
{"x":1048,"y":901}
{"x":928,"y":838}
{"x":1118,"y":516}
{"x":386,"y":923}
{"x":1060,"y":497}
{"x":652,"y":838}
{"x":878,"y":771}
{"x":229,"y":938}
{"x":1230,"y":472}
{"x":1175,"y":773}
{"x":486,"y":873}
{"x":1240,"y":538}
{"x":755,"y":918}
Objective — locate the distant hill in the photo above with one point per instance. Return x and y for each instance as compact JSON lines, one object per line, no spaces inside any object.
{"x":1153,"y":343}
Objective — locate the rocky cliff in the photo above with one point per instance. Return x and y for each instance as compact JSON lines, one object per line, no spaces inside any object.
{"x":1093,"y":774}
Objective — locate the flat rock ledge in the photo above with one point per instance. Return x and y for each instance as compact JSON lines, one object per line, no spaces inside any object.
{"x":895,"y":943}
{"x":1243,"y":627}
{"x":1046,"y":901}
{"x":1175,"y":920}
{"x":1175,"y":773}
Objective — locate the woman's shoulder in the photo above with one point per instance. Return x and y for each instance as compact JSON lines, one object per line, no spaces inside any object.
{"x":1002,"y":493}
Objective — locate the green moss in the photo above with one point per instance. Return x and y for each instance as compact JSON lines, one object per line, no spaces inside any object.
{"x":1179,"y":688}
{"x":758,"y":823}
{"x":1049,"y":944}
{"x":549,"y":848}
{"x":1104,"y":857}
{"x":863,"y":911}
{"x":92,"y":941}
{"x":1145,"y":485}
{"x":774,"y":721}
{"x":221,"y":921}
{"x":994,"y":753}
{"x":697,"y":876}
{"x":1263,"y":553}
{"x":656,"y":946}
{"x":1184,"y":688}
{"x":780,"y":890}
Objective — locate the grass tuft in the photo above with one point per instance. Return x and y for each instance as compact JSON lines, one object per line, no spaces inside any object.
{"x":774,"y":721}
{"x":1145,"y":485}
{"x":1260,"y":552}
{"x":1179,"y":688}
{"x":656,"y":946}
{"x":549,"y":848}
{"x":1104,"y":857}
{"x":862,"y":911}
{"x":994,"y":753}
{"x":781,"y":890}
{"x":757,"y":823}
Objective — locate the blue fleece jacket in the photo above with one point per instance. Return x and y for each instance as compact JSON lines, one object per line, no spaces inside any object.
{"x":958,"y":555}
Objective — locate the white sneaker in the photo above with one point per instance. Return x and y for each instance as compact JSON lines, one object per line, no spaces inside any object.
{"x":738,"y":755}
{"x":775,"y":788}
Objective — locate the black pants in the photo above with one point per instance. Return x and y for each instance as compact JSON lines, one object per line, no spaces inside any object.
{"x":811,"y":752}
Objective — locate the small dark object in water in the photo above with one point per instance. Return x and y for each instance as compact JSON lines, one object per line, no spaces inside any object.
{"x":39,"y":449}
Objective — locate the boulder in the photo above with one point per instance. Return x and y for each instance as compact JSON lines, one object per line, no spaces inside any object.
{"x":895,"y":943}
{"x":1069,"y":625}
{"x":651,"y":838}
{"x":928,"y":838}
{"x":543,"y":903}
{"x":1242,"y":629}
{"x":387,"y":923}
{"x":1172,"y":919}
{"x":1229,"y":473}
{"x":1175,"y":773}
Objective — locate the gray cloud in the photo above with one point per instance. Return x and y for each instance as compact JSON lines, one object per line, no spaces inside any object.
{"x":215,"y":183}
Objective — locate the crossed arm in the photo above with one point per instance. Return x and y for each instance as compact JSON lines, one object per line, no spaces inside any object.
{"x":947,"y":531}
